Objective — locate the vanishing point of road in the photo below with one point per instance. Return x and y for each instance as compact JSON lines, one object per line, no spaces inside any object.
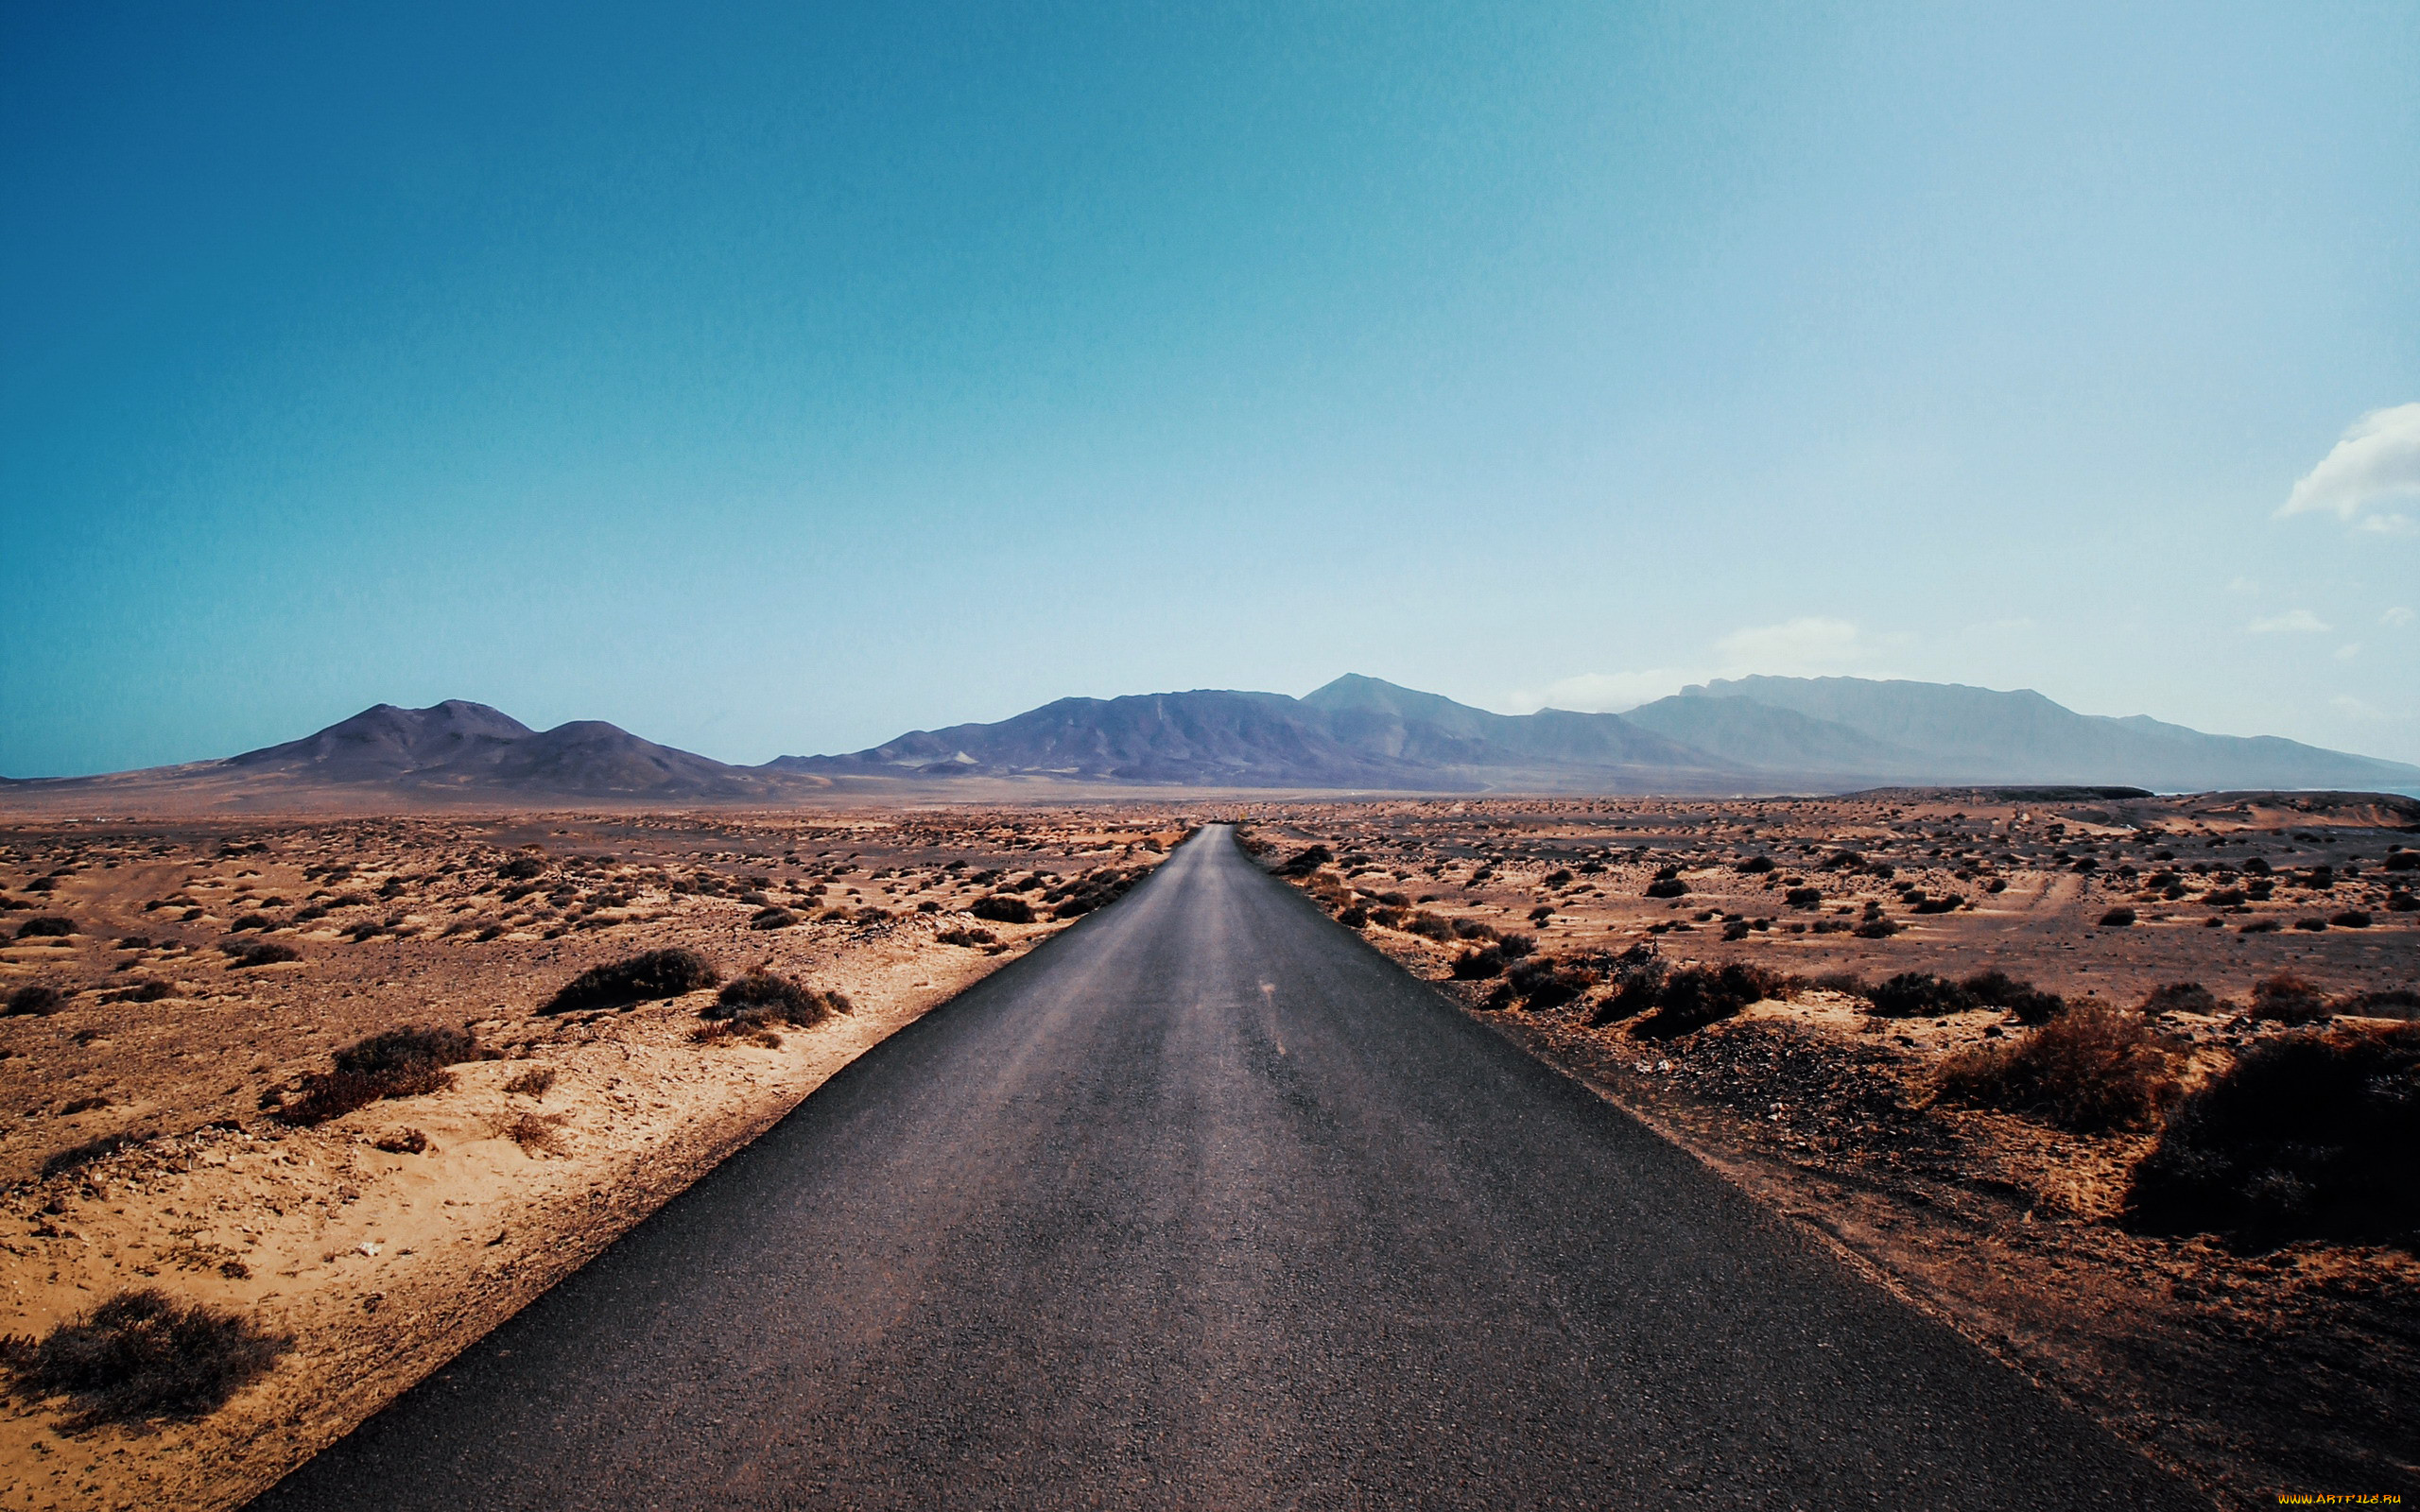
{"x":1206,"y":1204}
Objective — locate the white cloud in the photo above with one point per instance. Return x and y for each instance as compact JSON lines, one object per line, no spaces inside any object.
{"x":1799,"y":647}
{"x":2354,"y":708}
{"x":1607,"y":692}
{"x":2389,"y":525}
{"x":2243,"y":585}
{"x":2397,"y":618}
{"x":2294,"y":621}
{"x":2377,"y":459}
{"x":2348,"y":650}
{"x":1809,"y":646}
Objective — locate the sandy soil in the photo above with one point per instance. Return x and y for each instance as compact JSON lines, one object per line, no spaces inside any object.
{"x":2293,"y":1370}
{"x":138,"y":1153}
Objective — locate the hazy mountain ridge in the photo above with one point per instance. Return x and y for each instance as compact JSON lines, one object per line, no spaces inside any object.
{"x":1752,"y":734}
{"x":1949,"y":732}
{"x":1355,"y":732}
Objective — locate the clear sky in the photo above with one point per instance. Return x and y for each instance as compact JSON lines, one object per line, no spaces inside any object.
{"x":776,"y":379}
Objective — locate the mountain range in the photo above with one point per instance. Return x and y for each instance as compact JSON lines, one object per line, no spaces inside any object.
{"x":1750,"y":734}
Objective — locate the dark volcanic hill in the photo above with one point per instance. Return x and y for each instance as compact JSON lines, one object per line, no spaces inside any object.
{"x":455,"y":752}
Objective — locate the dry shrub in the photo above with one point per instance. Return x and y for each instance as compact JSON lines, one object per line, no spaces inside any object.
{"x":49,"y":925}
{"x":1676,"y":1001}
{"x":2286,"y":998}
{"x":2027,"y":1003}
{"x":536,"y":1135}
{"x":403,"y":1141}
{"x":1094,"y":890}
{"x":641,"y":978}
{"x":2090,"y":1068}
{"x":533,"y":1082}
{"x":2308,"y":1136}
{"x":2182,"y":997}
{"x":1002,"y":908}
{"x":966,"y":936}
{"x":241,"y":953}
{"x":1543,"y":982}
{"x":397,"y":1063}
{"x":140,"y":1355}
{"x":36,"y":998}
{"x":762,"y":998}
{"x":771,"y":918}
{"x":1918,"y":995}
{"x":2118,"y":918}
{"x":1305,"y":861}
{"x":147,"y":991}
{"x":76,"y":1155}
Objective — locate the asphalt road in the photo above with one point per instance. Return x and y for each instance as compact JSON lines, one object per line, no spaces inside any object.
{"x":1206,"y":1204}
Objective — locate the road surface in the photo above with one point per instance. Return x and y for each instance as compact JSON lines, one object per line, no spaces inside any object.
{"x":1206,"y":1204}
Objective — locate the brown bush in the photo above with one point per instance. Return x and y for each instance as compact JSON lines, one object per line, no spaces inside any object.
{"x":534,"y":1082}
{"x":397,"y":1063}
{"x":2308,"y":1136}
{"x":641,"y":978}
{"x":2286,"y":998}
{"x":36,"y":1000}
{"x":2182,"y":997}
{"x":1676,"y":1001}
{"x":140,"y":1355}
{"x":536,"y":1135}
{"x":1002,"y":908}
{"x":2092,"y":1068}
{"x":762,"y":999}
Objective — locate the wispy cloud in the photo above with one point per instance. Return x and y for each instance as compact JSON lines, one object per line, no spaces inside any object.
{"x":2293,"y":622}
{"x":1799,"y":647}
{"x":2376,"y":460}
{"x":1608,"y":691}
{"x":2348,"y":650}
{"x":2398,"y":617}
{"x":1811,"y":645}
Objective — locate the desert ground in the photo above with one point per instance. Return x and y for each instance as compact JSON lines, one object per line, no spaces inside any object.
{"x":2250,"y":1361}
{"x":177,"y":990}
{"x":180,"y":993}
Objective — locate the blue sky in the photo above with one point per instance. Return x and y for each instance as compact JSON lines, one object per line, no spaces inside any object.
{"x":776,"y":379}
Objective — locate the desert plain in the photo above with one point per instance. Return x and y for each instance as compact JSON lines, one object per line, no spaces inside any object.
{"x":181,"y":990}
